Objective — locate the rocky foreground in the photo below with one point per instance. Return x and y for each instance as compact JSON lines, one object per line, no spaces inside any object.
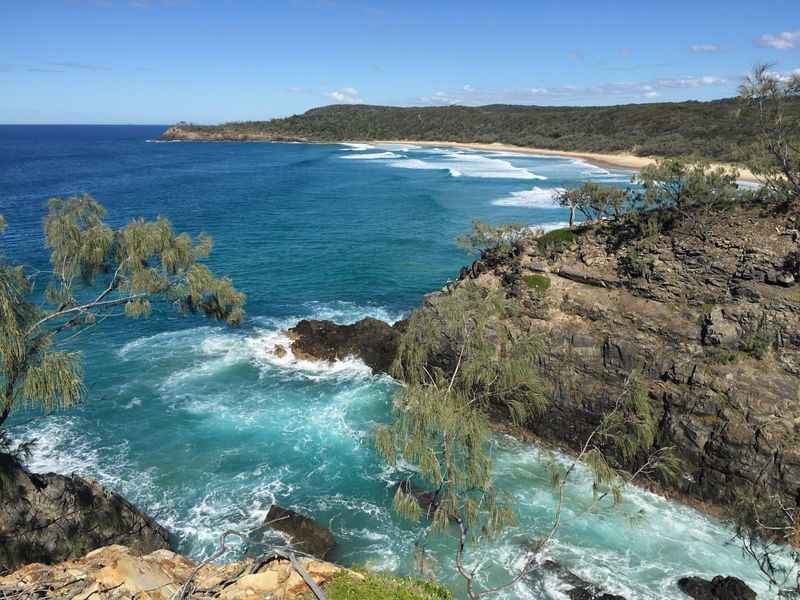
{"x":708,"y":314}
{"x":117,"y":572}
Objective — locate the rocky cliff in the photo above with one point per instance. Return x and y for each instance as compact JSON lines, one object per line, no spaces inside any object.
{"x":50,"y":517}
{"x":707,"y":312}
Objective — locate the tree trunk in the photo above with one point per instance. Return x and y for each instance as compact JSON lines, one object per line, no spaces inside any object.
{"x":8,"y":401}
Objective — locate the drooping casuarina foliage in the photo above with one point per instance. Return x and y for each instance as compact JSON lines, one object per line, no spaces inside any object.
{"x":96,"y":272}
{"x":442,"y":413}
{"x":470,"y":356}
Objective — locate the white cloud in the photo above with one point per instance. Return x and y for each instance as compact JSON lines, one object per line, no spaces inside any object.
{"x":441,"y":98}
{"x":346,"y":95}
{"x":470,"y":88}
{"x":627,"y":89}
{"x":699,"y":48}
{"x":780,"y":41}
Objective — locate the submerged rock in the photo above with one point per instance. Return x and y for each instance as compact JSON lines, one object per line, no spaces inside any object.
{"x":117,"y":573}
{"x":308,"y":536}
{"x":48,"y":518}
{"x":371,"y":340}
{"x":719,"y":588}
{"x":580,"y":589}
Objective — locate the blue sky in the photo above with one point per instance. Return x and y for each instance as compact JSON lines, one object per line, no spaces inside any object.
{"x":161,"y":61}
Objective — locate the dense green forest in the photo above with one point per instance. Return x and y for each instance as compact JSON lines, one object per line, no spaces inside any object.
{"x":715,"y":130}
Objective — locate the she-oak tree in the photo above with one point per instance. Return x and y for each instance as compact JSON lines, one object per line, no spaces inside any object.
{"x":96,"y":272}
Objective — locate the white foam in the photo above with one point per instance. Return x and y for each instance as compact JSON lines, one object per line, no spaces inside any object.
{"x":552,"y":226}
{"x":357,"y":147}
{"x":460,"y":162}
{"x":209,"y":351}
{"x":536,"y":197}
{"x":398,"y":147}
{"x":374,"y":156}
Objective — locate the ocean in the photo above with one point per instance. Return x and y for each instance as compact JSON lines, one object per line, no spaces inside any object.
{"x":204,"y":427}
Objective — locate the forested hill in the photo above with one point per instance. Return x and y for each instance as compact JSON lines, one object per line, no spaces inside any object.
{"x":714,"y":130}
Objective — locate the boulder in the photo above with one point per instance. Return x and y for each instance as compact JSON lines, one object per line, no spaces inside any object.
{"x":717,"y":331}
{"x":48,"y":518}
{"x":580,"y":589}
{"x":308,"y":536}
{"x":371,"y":340}
{"x":719,"y":588}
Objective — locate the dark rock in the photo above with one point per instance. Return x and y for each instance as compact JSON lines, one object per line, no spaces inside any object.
{"x":374,"y":341}
{"x":427,"y":500}
{"x":719,"y":588}
{"x":580,"y":588}
{"x":306,"y":534}
{"x":781,"y":278}
{"x":50,"y":518}
{"x":717,"y":331}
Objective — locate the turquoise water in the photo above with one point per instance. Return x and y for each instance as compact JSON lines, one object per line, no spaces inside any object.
{"x":204,"y":427}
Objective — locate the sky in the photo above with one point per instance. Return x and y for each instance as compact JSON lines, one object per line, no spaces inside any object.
{"x":210,"y":61}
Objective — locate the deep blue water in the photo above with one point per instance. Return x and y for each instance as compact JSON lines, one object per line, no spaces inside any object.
{"x":204,"y":426}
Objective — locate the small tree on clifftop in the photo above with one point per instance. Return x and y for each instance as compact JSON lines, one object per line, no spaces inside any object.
{"x":777,"y":157}
{"x":96,"y":272}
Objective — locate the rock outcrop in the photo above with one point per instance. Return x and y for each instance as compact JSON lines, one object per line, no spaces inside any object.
{"x":707,"y":314}
{"x":719,"y":588}
{"x":117,"y":573}
{"x":308,"y":536}
{"x":48,"y":518}
{"x":579,"y":588}
{"x":374,"y":341}
{"x":195,"y":133}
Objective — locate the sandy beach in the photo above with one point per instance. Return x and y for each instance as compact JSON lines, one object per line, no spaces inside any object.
{"x":618,"y":160}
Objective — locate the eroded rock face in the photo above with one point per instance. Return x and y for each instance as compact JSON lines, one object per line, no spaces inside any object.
{"x":719,"y":588}
{"x":374,"y":341}
{"x":49,"y":518}
{"x":117,"y":573}
{"x":308,"y":536}
{"x":698,"y":313}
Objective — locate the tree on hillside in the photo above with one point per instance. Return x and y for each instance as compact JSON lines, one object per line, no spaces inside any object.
{"x":97,"y":272}
{"x":767,"y":96}
{"x":500,"y":240}
{"x":683,"y":186}
{"x":466,"y":359}
{"x":594,"y":201}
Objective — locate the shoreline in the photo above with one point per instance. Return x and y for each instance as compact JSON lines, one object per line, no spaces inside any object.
{"x":620,"y":160}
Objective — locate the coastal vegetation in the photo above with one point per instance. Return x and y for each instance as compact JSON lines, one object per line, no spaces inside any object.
{"x":378,"y":586}
{"x":718,"y":130}
{"x":470,"y":356}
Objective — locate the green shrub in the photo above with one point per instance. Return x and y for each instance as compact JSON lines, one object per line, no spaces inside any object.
{"x":756,"y":346}
{"x":555,"y":240}
{"x":540,"y":283}
{"x":376,"y":586}
{"x":722,"y":356}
